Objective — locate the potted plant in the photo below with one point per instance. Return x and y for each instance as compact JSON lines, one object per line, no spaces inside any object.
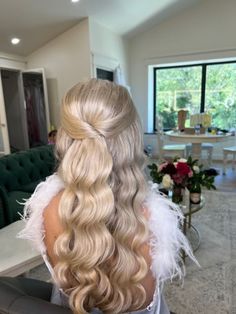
{"x":172,"y":175}
{"x":180,"y":174}
{"x":200,"y":178}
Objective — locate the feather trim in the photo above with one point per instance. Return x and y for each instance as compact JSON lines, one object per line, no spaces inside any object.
{"x":167,"y":240}
{"x":33,"y":211}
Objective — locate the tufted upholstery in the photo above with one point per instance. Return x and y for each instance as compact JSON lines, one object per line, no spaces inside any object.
{"x":19,"y":175}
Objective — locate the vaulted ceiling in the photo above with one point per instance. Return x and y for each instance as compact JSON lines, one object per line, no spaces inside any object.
{"x":38,"y":21}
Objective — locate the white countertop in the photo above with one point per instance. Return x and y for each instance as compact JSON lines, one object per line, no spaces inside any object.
{"x":16,"y":255}
{"x":196,"y":138}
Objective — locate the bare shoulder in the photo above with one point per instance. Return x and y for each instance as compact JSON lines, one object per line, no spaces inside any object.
{"x":149,"y":282}
{"x":52,"y":226}
{"x":146,"y":212}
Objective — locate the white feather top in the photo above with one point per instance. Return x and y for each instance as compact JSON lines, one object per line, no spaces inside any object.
{"x":166,"y":241}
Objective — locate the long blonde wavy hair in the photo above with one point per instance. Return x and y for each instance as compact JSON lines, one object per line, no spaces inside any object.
{"x":100,"y":151}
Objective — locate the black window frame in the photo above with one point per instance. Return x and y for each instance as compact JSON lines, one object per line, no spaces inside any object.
{"x":105,"y":74}
{"x":204,"y":66}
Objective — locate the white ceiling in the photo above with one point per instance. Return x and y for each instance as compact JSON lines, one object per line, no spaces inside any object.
{"x":38,"y":21}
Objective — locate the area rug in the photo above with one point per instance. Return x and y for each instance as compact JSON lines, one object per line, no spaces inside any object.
{"x":212,"y":287}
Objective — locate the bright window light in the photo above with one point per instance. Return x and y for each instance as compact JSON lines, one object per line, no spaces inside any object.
{"x":74,"y":1}
{"x":15,"y":41}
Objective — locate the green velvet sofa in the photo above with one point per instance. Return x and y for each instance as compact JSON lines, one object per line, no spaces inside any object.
{"x":19,"y":175}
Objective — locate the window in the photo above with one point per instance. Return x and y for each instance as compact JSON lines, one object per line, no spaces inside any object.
{"x":208,"y":87}
{"x":104,"y":74}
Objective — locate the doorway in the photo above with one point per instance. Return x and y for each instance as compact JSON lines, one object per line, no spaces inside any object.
{"x":35,"y":108}
{"x":24,"y":108}
{"x":13,"y":95}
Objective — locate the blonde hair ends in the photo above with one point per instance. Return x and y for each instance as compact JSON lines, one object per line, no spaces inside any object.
{"x":100,"y":149}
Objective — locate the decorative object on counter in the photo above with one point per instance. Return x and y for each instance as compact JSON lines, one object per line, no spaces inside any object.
{"x":203,"y":119}
{"x":182,"y":115}
{"x":148,"y":150}
{"x":206,"y":120}
{"x":181,"y":174}
{"x":200,"y":130}
{"x":197,"y":129}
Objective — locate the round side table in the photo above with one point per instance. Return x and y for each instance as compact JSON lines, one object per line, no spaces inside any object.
{"x":189,"y":229}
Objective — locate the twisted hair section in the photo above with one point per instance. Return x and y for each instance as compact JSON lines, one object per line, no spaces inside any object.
{"x":101,"y":157}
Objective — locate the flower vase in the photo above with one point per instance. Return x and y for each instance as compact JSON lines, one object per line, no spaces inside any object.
{"x":195,"y":198}
{"x":177,"y":196}
{"x":195,"y":194}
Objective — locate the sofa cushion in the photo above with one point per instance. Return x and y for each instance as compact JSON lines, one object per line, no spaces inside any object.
{"x":3,"y":207}
{"x":30,"y":187}
{"x":38,"y":163}
{"x":12,"y":176}
{"x":22,"y":168}
{"x":16,"y":209}
{"x":2,"y":215}
{"x":20,"y":173}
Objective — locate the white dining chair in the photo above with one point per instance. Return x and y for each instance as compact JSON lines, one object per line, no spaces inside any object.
{"x":168,"y":150}
{"x":229,"y":151}
{"x":208,"y":147}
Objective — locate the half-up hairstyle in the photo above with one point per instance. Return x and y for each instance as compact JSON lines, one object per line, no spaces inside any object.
{"x":100,"y":151}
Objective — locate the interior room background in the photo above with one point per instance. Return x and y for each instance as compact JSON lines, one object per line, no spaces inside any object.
{"x":194,"y":34}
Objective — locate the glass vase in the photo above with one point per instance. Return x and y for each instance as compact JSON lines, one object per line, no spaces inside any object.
{"x":195,"y":194}
{"x":177,"y":195}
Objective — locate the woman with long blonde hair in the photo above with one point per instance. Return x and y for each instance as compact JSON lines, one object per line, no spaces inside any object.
{"x":108,"y":239}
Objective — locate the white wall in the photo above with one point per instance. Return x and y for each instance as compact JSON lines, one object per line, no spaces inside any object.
{"x":66,"y":60}
{"x":108,"y":48}
{"x":204,"y":32}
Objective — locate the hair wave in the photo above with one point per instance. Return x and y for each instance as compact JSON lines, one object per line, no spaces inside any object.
{"x":100,"y":149}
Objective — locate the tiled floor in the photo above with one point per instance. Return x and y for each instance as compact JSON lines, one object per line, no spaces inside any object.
{"x":225,"y":182}
{"x":210,"y":289}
